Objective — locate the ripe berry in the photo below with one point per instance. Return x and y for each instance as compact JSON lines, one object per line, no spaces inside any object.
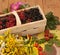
{"x":0,"y":27}
{"x":47,"y":38}
{"x":46,"y":35}
{"x":51,"y":35}
{"x":40,"y":48}
{"x":47,"y":31}
{"x":21,"y":15}
{"x":41,"y":53}
{"x":0,"y":22}
{"x":36,"y":44}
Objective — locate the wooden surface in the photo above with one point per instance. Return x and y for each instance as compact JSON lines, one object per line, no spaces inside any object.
{"x":46,"y":5}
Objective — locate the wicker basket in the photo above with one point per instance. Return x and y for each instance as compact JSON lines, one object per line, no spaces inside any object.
{"x":28,"y":28}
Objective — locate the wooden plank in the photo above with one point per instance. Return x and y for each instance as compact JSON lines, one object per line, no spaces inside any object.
{"x":4,"y":4}
{"x":52,"y":5}
{"x":31,"y":2}
{"x":39,"y":2}
{"x":14,"y":1}
{"x":0,"y":5}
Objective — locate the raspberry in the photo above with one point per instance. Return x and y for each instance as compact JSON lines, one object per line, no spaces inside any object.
{"x":0,"y":27}
{"x":0,"y":22}
{"x":21,"y":15}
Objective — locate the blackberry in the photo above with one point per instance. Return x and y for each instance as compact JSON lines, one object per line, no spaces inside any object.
{"x":4,"y":21}
{"x":3,"y":26}
{"x":30,"y":15}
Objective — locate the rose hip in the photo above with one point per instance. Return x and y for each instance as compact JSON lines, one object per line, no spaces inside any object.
{"x":47,"y":38}
{"x":40,"y":48}
{"x":36,"y":44}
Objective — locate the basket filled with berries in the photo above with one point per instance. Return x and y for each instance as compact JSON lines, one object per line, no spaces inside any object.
{"x":32,"y":19}
{"x":8,"y":21}
{"x":27,"y":20}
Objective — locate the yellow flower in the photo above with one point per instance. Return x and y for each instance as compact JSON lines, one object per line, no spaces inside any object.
{"x":1,"y":37}
{"x":35,"y":50}
{"x":7,"y":32}
{"x":3,"y":50}
{"x":7,"y":50}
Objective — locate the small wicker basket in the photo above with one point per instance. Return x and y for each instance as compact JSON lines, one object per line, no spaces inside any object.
{"x":28,"y":28}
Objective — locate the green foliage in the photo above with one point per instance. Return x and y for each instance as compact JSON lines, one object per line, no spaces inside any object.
{"x":57,"y":43}
{"x":41,"y":41}
{"x":48,"y":48}
{"x":52,"y":21}
{"x":24,"y":6}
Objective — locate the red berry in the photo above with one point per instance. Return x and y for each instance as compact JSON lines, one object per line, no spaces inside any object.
{"x":47,"y":38}
{"x":7,"y":24}
{"x":22,"y":16}
{"x":40,"y":48}
{"x":36,"y":44}
{"x":41,"y":53}
{"x":0,"y":22}
{"x":0,"y":27}
{"x":47,"y":31}
{"x":45,"y":35}
{"x":51,"y":35}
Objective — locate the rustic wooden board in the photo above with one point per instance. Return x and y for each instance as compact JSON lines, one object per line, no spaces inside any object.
{"x":0,"y":6}
{"x":47,"y":5}
{"x":4,"y":4}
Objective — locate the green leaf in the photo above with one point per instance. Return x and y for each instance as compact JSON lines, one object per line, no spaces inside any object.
{"x":51,"y":42}
{"x":41,"y":41}
{"x":52,"y":21}
{"x":57,"y":43}
{"x":48,"y":48}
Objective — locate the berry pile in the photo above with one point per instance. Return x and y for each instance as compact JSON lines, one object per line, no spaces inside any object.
{"x":40,"y":49}
{"x":7,"y":21}
{"x":48,"y":35}
{"x":30,"y":15}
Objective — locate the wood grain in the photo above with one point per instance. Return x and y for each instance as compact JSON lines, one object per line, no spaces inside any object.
{"x":46,"y":5}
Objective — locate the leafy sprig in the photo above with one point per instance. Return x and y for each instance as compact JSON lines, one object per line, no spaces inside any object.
{"x":52,"y":21}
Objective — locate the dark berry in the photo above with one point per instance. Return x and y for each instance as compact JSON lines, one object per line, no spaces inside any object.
{"x":4,"y":21}
{"x":28,"y":20}
{"x":3,"y":26}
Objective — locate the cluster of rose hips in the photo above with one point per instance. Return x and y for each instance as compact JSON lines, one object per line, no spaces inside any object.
{"x":48,"y":35}
{"x":30,"y":15}
{"x":7,"y":21}
{"x":40,"y":49}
